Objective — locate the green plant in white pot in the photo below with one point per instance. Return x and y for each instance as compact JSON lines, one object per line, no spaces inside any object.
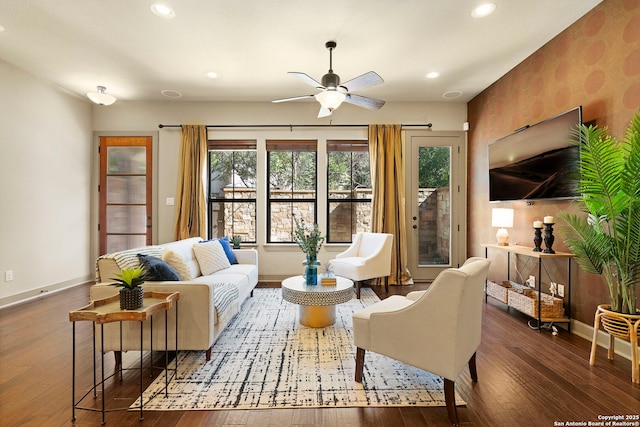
{"x":606,"y":240}
{"x":131,"y":294}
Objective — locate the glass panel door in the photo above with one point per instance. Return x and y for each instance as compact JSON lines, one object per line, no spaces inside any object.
{"x":433,"y":224}
{"x":125,"y":193}
{"x":435,"y":202}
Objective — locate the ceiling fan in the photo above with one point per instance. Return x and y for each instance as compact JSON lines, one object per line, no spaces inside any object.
{"x":333,"y":94}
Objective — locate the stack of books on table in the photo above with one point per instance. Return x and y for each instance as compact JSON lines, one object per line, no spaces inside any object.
{"x":328,"y":281}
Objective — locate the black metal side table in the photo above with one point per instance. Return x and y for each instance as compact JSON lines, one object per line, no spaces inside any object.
{"x":108,"y":310}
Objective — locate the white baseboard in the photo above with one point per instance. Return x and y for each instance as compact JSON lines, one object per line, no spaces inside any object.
{"x":32,"y":294}
{"x":622,"y":348}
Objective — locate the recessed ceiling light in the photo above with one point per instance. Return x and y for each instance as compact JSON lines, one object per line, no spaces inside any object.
{"x":452,"y":94}
{"x":483,"y":10}
{"x":162,"y":11}
{"x":1,"y":28}
{"x":432,"y":75}
{"x":212,"y":74}
{"x":171,"y":93}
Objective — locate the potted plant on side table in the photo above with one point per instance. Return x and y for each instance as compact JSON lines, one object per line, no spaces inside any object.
{"x":605,"y":239}
{"x":131,"y":294}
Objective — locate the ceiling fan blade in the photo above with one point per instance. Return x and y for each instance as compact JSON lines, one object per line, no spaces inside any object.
{"x":366,"y":80}
{"x":324,"y":112}
{"x":307,"y":79}
{"x":364,"y":101}
{"x":295,"y":98}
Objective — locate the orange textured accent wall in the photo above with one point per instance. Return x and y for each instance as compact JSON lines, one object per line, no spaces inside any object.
{"x":594,"y":63}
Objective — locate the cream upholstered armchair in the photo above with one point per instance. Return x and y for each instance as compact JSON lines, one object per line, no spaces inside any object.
{"x":368,"y":257}
{"x":437,"y":330}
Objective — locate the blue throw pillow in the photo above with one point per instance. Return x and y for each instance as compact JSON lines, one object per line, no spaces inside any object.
{"x":157,"y":270}
{"x":224,"y":241}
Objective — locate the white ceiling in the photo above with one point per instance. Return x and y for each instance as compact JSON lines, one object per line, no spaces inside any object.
{"x":252,"y":44}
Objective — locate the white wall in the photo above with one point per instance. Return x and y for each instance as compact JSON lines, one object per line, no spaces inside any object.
{"x":276,"y":261}
{"x":45,"y":142}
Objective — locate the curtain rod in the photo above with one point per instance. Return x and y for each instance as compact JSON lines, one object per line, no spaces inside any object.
{"x":429,"y":125}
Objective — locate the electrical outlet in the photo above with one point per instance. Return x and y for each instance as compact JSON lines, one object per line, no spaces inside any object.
{"x":532,"y":281}
{"x":560,"y":290}
{"x":8,"y":275}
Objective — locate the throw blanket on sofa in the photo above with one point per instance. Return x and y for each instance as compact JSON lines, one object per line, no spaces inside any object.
{"x":224,"y":294}
{"x":129,"y":258}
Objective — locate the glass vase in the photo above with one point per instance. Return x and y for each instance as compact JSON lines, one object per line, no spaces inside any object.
{"x":311,"y":270}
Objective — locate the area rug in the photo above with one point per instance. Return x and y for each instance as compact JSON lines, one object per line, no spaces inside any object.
{"x":265,"y":359}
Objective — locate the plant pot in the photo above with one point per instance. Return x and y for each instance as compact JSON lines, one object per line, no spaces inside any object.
{"x":131,"y":299}
{"x":619,"y":325}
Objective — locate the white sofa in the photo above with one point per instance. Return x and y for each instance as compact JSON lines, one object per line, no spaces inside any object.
{"x":202,"y":312}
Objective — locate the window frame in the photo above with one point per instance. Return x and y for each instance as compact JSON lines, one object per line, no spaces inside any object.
{"x":289,"y":145}
{"x":233,"y":146}
{"x":351,"y":146}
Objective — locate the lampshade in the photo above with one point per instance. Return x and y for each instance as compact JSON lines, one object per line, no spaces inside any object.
{"x":330,"y":99}
{"x":502,"y":218}
{"x":101,"y":97}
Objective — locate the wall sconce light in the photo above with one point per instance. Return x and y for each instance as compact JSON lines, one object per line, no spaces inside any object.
{"x":101,"y":97}
{"x":503,"y":219}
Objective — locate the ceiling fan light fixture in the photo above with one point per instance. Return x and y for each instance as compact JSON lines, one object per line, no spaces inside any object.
{"x":330,"y":99}
{"x":101,"y":97}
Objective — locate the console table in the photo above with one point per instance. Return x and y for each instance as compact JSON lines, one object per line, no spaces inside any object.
{"x":108,"y":310}
{"x":540,"y":256}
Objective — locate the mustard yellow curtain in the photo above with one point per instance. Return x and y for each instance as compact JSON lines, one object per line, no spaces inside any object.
{"x":191,"y":209}
{"x":388,"y":204}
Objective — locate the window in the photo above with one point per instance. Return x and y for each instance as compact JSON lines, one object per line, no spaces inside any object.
{"x":232,"y":189}
{"x":349,"y":190}
{"x":291,"y":168}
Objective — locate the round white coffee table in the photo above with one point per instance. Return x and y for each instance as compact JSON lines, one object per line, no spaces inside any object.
{"x":317,"y":303}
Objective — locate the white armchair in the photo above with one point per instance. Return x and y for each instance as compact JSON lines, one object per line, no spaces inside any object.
{"x":437,"y":330}
{"x":368,"y":257}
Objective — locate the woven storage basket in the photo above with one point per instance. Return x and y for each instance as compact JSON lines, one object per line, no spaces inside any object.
{"x":527,"y":302}
{"x":516,"y":287}
{"x":498,"y":290}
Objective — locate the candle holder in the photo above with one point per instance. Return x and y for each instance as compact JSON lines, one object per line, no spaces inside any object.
{"x":548,"y":239}
{"x":537,"y":238}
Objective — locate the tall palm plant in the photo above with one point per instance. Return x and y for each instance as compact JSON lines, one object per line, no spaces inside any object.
{"x":607,"y":240}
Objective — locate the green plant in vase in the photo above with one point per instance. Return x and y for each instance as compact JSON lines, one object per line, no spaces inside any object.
{"x":310,"y":241}
{"x":605,"y":241}
{"x":131,"y":294}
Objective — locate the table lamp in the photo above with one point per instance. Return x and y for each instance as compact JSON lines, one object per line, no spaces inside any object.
{"x":503,"y":219}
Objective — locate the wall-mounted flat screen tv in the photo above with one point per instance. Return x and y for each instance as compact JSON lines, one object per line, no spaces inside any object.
{"x":536,"y":162}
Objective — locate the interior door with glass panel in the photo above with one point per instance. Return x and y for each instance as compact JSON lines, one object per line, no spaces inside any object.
{"x":125,"y":193}
{"x":435,"y":202}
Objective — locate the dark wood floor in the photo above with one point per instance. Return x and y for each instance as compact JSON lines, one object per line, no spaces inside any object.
{"x":526,"y":378}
